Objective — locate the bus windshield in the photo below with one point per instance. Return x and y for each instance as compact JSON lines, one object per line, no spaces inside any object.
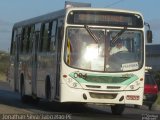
{"x":110,"y":53}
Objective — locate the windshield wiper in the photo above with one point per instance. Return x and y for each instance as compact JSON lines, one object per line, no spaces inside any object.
{"x":118,"y":35}
{"x":91,"y":33}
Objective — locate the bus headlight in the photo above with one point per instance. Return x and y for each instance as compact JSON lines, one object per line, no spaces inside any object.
{"x":73,"y":83}
{"x":133,"y":86}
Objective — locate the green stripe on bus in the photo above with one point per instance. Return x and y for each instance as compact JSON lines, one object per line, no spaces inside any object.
{"x":101,"y":79}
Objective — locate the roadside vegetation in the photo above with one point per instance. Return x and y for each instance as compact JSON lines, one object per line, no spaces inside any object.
{"x":158,"y":100}
{"x":4,"y":63}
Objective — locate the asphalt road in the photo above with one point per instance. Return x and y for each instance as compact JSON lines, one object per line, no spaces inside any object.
{"x":12,"y":108}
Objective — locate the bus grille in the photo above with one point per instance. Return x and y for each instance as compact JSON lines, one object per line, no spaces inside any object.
{"x":102,"y":95}
{"x":106,"y":79}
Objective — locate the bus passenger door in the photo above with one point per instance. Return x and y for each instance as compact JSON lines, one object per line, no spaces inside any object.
{"x":35,"y":38}
{"x":58,"y":50}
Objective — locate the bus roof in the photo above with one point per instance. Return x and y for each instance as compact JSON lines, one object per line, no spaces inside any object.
{"x":41,"y":18}
{"x":62,"y":12}
{"x":105,"y":9}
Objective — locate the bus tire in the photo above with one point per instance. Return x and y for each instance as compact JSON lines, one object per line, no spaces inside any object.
{"x":48,"y":88}
{"x":117,"y":109}
{"x":35,"y":100}
{"x":24,"y":98}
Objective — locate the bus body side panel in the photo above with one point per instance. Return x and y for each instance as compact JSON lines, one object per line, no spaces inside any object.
{"x":25,"y":72}
{"x":48,"y":67}
{"x":45,"y":68}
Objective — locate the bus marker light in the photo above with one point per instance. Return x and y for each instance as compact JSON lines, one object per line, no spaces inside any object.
{"x":141,"y":79}
{"x":65,"y":76}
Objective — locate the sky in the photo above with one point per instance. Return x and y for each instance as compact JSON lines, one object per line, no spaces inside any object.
{"x":12,"y":11}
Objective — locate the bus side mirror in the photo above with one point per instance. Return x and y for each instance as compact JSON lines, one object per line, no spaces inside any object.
{"x":149,"y":36}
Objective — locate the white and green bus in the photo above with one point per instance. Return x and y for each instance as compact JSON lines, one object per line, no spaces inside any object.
{"x":64,"y":56}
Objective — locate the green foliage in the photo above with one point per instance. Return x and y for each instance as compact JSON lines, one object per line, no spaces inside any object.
{"x":157,"y":74}
{"x":158,"y":100}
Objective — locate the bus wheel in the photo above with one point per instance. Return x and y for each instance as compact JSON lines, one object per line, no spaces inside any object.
{"x":118,"y":109}
{"x":35,"y":100}
{"x":24,"y":98}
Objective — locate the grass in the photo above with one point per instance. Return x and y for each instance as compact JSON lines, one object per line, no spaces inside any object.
{"x":157,"y":103}
{"x":4,"y":63}
{"x":158,"y":99}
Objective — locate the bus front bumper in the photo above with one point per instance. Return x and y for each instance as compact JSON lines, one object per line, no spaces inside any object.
{"x":68,"y":94}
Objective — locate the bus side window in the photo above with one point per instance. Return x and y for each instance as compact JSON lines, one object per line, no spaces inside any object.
{"x":60,"y":29}
{"x":25,"y":38}
{"x":45,"y":38}
{"x":13,"y":43}
{"x":31,"y":33}
{"x":22,"y":41}
{"x":60,"y":33}
{"x":28,"y":40}
{"x":53,"y":35}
